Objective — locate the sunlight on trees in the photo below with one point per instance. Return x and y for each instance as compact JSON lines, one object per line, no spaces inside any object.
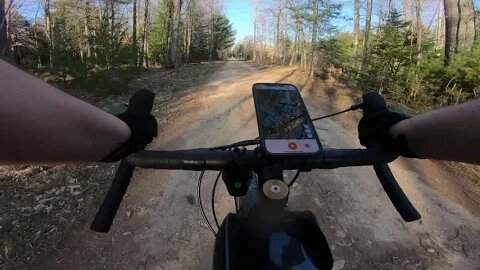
{"x":421,"y":53}
{"x":416,"y":52}
{"x":81,"y":39}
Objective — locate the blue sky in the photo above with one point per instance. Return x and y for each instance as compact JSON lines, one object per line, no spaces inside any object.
{"x":239,"y":12}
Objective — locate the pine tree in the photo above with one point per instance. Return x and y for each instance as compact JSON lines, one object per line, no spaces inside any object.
{"x":223,"y":36}
{"x":159,"y":34}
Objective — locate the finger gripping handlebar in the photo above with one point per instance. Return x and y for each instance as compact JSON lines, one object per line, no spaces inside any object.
{"x":109,"y":207}
{"x":403,"y":205}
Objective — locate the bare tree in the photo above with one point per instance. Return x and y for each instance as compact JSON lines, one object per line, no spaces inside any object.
{"x":451,"y":28}
{"x":381,"y":12}
{"x":255,"y":35}
{"x":172,"y":46}
{"x":4,"y":44}
{"x":419,"y":27}
{"x":145,"y":35}
{"x":35,"y":35}
{"x":459,"y":26}
{"x":368,"y":21}
{"x":87,"y":29}
{"x":134,"y":34}
{"x":47,"y":5}
{"x":356,"y":30}
{"x":440,"y":27}
{"x":407,"y":10}
{"x":277,"y":32}
{"x":187,"y":40}
{"x":314,"y":9}
{"x":466,"y":28}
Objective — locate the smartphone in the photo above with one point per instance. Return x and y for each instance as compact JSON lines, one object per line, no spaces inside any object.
{"x":284,"y":125}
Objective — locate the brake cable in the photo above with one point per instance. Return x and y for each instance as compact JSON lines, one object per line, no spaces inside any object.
{"x":213,"y":200}
{"x":248,"y":143}
{"x":237,"y":144}
{"x":352,"y":108}
{"x":294,"y":178}
{"x":200,"y":202}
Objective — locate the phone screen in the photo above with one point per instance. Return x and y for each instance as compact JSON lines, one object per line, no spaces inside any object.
{"x":283,"y":121}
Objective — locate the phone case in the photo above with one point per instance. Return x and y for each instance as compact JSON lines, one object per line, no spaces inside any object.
{"x":295,"y":146}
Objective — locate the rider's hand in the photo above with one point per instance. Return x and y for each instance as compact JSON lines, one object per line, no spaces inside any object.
{"x":374,"y":127}
{"x":142,"y":123}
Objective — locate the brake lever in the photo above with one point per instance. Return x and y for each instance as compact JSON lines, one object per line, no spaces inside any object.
{"x":373,"y":102}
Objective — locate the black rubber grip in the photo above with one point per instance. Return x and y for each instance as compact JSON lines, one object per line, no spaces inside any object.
{"x":395,"y":193}
{"x":108,"y":209}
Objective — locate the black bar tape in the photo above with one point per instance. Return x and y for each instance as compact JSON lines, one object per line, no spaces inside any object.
{"x":109,"y":207}
{"x":401,"y":202}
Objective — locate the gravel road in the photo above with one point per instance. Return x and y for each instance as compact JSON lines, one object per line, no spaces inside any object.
{"x":160,"y":226}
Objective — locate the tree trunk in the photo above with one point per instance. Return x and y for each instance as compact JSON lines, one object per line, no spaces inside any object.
{"x":419,"y":28}
{"x":212,"y":34}
{"x":356,"y":31}
{"x":172,"y":48}
{"x":4,"y":44}
{"x":368,"y":20}
{"x":293,"y":59}
{"x":145,"y":35}
{"x":49,"y":31}
{"x":134,"y":35}
{"x":87,"y":29}
{"x":466,"y":26}
{"x":460,"y":29}
{"x":407,"y":10}
{"x":304,"y":49}
{"x":35,"y":36}
{"x":452,"y":21}
{"x":314,"y":35}
{"x":112,"y":22}
{"x":277,"y":38}
{"x":189,"y":31}
{"x":381,"y":13}
{"x":255,"y":56}
{"x":185,"y":34}
{"x":440,"y":29}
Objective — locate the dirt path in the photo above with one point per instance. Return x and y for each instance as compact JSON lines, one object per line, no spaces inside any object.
{"x":160,"y":226}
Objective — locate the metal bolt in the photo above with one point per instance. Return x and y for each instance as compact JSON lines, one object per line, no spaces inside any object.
{"x":275,"y":189}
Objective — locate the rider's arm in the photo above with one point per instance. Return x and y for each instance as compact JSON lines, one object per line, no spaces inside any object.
{"x":40,"y":124}
{"x":451,"y":133}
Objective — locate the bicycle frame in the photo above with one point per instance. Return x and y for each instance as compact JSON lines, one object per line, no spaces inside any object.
{"x":267,"y":236}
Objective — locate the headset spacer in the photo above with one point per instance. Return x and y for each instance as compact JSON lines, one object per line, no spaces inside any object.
{"x":275,"y":189}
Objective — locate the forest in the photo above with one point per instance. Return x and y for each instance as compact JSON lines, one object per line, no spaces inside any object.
{"x":420,"y":53}
{"x":101,"y":44}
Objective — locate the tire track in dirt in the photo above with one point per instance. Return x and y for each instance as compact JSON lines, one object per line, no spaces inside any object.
{"x":160,"y":227}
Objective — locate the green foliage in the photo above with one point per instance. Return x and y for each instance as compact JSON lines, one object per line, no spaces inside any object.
{"x":394,"y":67}
{"x":92,"y":42}
{"x":335,"y":51}
{"x":67,"y":40}
{"x":106,"y":81}
{"x":387,"y":67}
{"x":465,"y":68}
{"x":159,"y":33}
{"x":200,"y":46}
{"x":223,"y":35}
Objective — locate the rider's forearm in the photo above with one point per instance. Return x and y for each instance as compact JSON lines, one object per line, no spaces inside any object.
{"x":41,"y":124}
{"x":451,"y":133}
